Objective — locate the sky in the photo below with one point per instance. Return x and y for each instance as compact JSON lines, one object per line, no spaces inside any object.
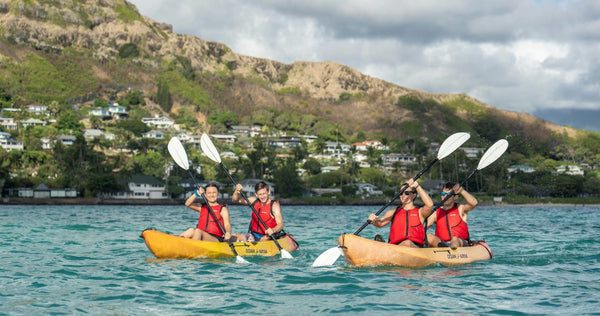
{"x":517,"y":55}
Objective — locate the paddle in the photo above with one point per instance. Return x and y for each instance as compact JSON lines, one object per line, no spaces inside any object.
{"x":490,"y":155}
{"x":210,"y":150}
{"x":451,"y":143}
{"x":180,"y":157}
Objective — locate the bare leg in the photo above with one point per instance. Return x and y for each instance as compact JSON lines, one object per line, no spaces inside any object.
{"x":408,"y":243}
{"x":433,"y":240}
{"x":458,"y":242}
{"x":188,"y":233}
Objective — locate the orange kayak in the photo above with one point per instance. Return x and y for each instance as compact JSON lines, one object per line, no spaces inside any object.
{"x":167,"y":246}
{"x":361,"y":252}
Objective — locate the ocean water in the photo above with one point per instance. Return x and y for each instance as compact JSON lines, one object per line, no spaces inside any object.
{"x":57,"y":260}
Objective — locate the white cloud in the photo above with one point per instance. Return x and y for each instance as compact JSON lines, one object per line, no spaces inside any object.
{"x":512,"y":54}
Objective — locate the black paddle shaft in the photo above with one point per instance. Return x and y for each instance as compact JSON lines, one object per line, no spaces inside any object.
{"x":397,"y":195}
{"x":248,"y":202}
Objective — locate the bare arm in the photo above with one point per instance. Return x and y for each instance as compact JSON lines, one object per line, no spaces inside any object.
{"x":190,"y":201}
{"x":384,"y":220}
{"x":226,"y":222}
{"x":237,"y":196}
{"x":470,"y":200}
{"x":426,"y":209}
{"x":278,"y":217}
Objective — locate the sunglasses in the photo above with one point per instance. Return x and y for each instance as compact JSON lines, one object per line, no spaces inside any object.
{"x":446,"y":193}
{"x":408,"y":192}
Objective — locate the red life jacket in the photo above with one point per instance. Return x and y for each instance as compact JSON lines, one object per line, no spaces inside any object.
{"x":207,"y":222}
{"x":449,"y":223}
{"x":266,"y":213}
{"x":406,"y":224}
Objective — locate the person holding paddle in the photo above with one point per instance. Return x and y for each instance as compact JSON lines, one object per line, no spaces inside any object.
{"x":268,"y":210}
{"x":407,"y":220}
{"x":207,"y":228}
{"x":451,"y":218}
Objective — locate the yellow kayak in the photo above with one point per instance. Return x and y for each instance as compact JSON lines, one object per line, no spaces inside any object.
{"x":167,"y":246}
{"x":361,"y":252}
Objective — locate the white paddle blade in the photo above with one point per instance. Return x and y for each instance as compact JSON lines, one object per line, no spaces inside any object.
{"x":209,"y":149}
{"x":285,"y":254}
{"x":452,"y":143}
{"x":328,"y":257}
{"x":493,"y":153}
{"x":178,"y":153}
{"x":239,"y":259}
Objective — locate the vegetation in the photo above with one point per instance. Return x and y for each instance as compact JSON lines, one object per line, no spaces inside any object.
{"x":72,"y":81}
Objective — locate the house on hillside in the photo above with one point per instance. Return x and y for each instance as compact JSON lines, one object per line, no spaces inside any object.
{"x":141,"y":187}
{"x":8,"y":123}
{"x":8,"y":143}
{"x":570,"y":170}
{"x":367,"y":189}
{"x":521,"y":168}
{"x":159,"y":122}
{"x":248,"y":187}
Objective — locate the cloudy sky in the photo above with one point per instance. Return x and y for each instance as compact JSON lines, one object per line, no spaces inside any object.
{"x":518,"y":55}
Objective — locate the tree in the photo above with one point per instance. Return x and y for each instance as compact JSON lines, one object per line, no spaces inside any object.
{"x":137,"y":127}
{"x":286,"y":180}
{"x":312,"y":165}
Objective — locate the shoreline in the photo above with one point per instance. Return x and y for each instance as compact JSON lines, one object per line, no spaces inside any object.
{"x":100,"y":201}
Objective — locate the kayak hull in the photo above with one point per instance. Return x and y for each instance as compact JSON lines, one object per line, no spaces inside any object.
{"x":362,"y":252}
{"x":167,"y":246}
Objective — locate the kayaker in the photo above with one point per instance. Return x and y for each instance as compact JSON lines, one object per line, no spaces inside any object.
{"x":451,"y":218}
{"x":407,"y":220}
{"x":269,"y":210}
{"x":207,"y":228}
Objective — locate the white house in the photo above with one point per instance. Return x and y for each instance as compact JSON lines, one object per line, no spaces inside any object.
{"x":367,"y":189}
{"x":473,"y":152}
{"x":32,"y":122}
{"x":224,"y":138}
{"x":92,"y":133}
{"x":159,"y":122}
{"x":142,"y":187}
{"x":8,"y":143}
{"x":522,"y":168}
{"x":570,"y":170}
{"x":36,"y":108}
{"x":248,"y":187}
{"x":8,"y":123}
{"x":154,"y":134}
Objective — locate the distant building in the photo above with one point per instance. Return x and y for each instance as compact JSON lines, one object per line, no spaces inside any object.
{"x":224,"y":138}
{"x":141,"y":187}
{"x":159,"y":122}
{"x":8,"y":123}
{"x":8,"y":143}
{"x":154,"y":134}
{"x":37,"y":109}
{"x":92,"y":133}
{"x":248,"y":187}
{"x":521,"y":168}
{"x":570,"y":170}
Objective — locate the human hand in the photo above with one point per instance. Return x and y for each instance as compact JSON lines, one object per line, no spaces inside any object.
{"x":372,"y":217}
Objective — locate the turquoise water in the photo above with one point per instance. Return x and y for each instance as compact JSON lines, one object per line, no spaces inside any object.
{"x":90,"y":260}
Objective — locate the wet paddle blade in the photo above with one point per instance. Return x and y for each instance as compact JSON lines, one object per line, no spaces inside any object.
{"x":209,"y":149}
{"x":493,"y":153}
{"x":239,"y":259}
{"x":285,"y":254}
{"x":328,"y":257}
{"x":178,"y":153}
{"x":452,"y":143}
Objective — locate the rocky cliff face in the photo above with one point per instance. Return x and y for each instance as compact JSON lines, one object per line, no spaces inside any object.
{"x":104,"y":26}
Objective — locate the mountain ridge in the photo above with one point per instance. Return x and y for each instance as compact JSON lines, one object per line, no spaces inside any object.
{"x":237,"y":83}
